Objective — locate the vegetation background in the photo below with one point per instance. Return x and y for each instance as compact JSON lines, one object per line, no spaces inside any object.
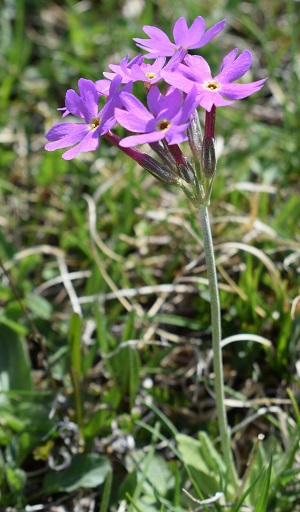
{"x":104,"y":315}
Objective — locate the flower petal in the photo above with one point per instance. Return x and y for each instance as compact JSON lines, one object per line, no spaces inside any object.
{"x":234,"y":69}
{"x":65,"y":134}
{"x":198,"y":68}
{"x":177,"y":134}
{"x":172,"y":102}
{"x":188,"y":107}
{"x":180,"y":31}
{"x":102,"y":87}
{"x":230,"y":57}
{"x":157,"y":65}
{"x":196,"y":32}
{"x":158,"y":45}
{"x":208,"y":99}
{"x":239,"y":91}
{"x":155,"y":33}
{"x":144,"y":138}
{"x":130,"y":121}
{"x":177,"y":79}
{"x":74,"y":104}
{"x":89,"y":96}
{"x":133,"y":105}
{"x":212,"y":32}
{"x":89,"y":143}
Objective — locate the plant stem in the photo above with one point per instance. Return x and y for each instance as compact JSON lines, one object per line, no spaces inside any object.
{"x":216,"y":341}
{"x":216,"y":324}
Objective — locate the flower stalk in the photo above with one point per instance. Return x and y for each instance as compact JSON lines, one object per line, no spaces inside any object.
{"x":216,"y":341}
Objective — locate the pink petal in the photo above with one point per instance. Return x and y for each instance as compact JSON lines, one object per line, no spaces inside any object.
{"x":178,"y":80}
{"x":131,"y":121}
{"x":144,"y":138}
{"x":89,"y":143}
{"x":65,"y":134}
{"x":73,"y":103}
{"x":196,"y":32}
{"x":180,"y":31}
{"x":235,"y":69}
{"x":208,"y":99}
{"x":133,"y":105}
{"x":212,"y":32}
{"x":155,"y":33}
{"x":230,"y":57}
{"x":239,"y":91}
{"x":198,"y":67}
{"x":89,"y":96}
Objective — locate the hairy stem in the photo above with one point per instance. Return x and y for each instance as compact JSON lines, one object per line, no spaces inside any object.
{"x":216,"y":341}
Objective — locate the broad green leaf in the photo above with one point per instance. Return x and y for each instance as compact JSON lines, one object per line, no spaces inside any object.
{"x":14,"y":361}
{"x":203,"y":462}
{"x":85,"y":470}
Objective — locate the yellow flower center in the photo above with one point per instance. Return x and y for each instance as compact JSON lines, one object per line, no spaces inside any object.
{"x":163,"y":125}
{"x":95,"y":123}
{"x":150,"y":75}
{"x":211,"y":85}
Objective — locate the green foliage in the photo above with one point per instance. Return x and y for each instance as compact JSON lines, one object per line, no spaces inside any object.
{"x":15,"y":371}
{"x":84,"y":471}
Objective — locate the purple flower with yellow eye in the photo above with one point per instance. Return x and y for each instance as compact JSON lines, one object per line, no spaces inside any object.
{"x":124,"y":68}
{"x":169,"y":116}
{"x":159,"y":45}
{"x":195,"y":72}
{"x":85,"y":136}
{"x":138,"y":70}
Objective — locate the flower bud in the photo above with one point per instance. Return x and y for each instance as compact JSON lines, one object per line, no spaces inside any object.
{"x":195,"y":136}
{"x":208,"y":158}
{"x":157,"y":169}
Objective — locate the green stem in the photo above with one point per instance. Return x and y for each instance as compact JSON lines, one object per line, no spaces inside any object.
{"x":216,"y":341}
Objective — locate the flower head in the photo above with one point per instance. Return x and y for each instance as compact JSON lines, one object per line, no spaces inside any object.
{"x":85,"y":136}
{"x":159,"y":45}
{"x":137,"y":70}
{"x":196,"y":72}
{"x":168,"y":119}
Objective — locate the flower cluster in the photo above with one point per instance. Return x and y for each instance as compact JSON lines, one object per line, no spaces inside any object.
{"x":171,"y":117}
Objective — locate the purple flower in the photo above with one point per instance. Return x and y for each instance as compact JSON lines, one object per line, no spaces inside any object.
{"x":169,"y":119}
{"x":195,"y":72}
{"x":72,"y":98}
{"x":159,"y":45}
{"x":124,"y":68}
{"x":137,"y":70}
{"x":85,"y":136}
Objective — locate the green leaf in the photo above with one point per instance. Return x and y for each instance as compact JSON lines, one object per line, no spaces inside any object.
{"x":128,"y":485}
{"x":14,"y":362}
{"x":16,"y":479}
{"x":85,"y":470}
{"x":262,"y":503}
{"x":106,"y":492}
{"x":39,"y":307}
{"x":203,"y":463}
{"x":246,"y":493}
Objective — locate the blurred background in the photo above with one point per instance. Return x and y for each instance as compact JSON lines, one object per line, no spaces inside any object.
{"x":74,"y":235}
